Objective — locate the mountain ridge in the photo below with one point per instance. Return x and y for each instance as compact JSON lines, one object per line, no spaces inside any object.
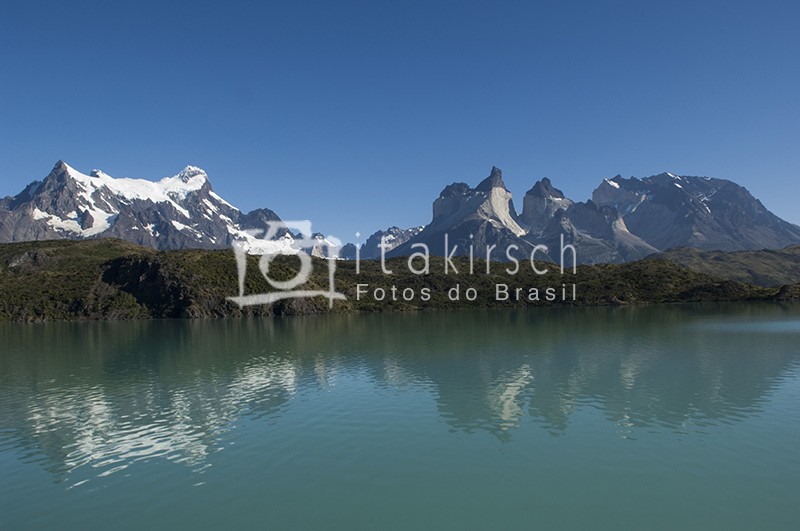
{"x":177,"y":212}
{"x":625,"y":219}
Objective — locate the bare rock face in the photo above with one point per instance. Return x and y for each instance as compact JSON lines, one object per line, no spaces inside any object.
{"x":598,"y":234}
{"x":627,"y":219}
{"x":484,"y":216}
{"x":540,"y":205}
{"x":669,"y":210}
{"x":478,"y":217}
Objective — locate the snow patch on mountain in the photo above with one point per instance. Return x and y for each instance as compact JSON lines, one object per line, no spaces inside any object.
{"x":168,"y":190}
{"x":181,"y":211}
{"x":252,"y":244}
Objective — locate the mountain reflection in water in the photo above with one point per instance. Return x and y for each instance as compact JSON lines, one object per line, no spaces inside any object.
{"x":107,"y":395}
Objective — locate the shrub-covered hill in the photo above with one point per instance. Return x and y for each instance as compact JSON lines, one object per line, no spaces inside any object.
{"x":767,"y":267}
{"x":112,"y":279}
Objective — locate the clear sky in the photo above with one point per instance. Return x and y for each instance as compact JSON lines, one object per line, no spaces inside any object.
{"x":356,"y":114}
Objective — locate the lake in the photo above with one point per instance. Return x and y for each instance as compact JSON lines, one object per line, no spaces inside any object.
{"x":664,"y":417}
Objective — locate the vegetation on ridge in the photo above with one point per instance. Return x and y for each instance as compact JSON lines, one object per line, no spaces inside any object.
{"x":113,"y":279}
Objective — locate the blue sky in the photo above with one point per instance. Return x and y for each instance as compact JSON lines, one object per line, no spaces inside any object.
{"x":356,"y":114}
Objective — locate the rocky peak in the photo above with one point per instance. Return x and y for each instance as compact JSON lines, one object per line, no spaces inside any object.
{"x":545,"y":188}
{"x":455,"y":189}
{"x":59,"y":173}
{"x":541,"y":203}
{"x":490,"y":200}
{"x":494,"y":180}
{"x":669,"y":210}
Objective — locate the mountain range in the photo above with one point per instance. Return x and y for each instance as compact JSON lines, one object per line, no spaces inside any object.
{"x":625,"y":220}
{"x":177,"y":212}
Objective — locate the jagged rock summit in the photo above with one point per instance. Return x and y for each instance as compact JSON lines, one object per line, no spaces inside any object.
{"x":626,"y":219}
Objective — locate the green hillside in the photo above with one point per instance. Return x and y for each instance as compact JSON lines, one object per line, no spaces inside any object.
{"x":111,"y":279}
{"x":761,"y":268}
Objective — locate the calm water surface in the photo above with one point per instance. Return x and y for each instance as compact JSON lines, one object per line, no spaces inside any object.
{"x":638,"y":418}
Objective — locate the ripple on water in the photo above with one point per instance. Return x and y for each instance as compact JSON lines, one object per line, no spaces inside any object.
{"x":336,"y":405}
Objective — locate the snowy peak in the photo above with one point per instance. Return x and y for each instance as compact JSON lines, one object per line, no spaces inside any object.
{"x":184,"y":183}
{"x":60,"y":172}
{"x":180,"y":211}
{"x":61,"y":167}
{"x":191,"y":171}
{"x":392,"y":237}
{"x":168,"y":189}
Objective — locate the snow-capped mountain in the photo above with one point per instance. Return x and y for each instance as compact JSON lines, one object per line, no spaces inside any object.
{"x":176,"y":212}
{"x":669,"y":210}
{"x":393,"y":236}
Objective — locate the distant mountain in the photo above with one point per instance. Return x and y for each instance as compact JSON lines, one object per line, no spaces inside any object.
{"x":540,"y":205}
{"x":176,"y":212}
{"x":669,"y":210}
{"x":626,"y":219}
{"x":484,"y":216}
{"x":478,"y":217}
{"x":348,"y":251}
{"x":598,"y":234}
{"x":393,"y":237}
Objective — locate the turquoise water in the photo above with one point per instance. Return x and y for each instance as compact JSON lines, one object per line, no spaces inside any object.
{"x":666,"y":417}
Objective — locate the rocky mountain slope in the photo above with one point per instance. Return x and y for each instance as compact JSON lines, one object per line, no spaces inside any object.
{"x":598,"y":234}
{"x":540,"y":205}
{"x":471,"y":217}
{"x":177,"y":212}
{"x":626,"y":219}
{"x":392,"y":237}
{"x":669,"y":210}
